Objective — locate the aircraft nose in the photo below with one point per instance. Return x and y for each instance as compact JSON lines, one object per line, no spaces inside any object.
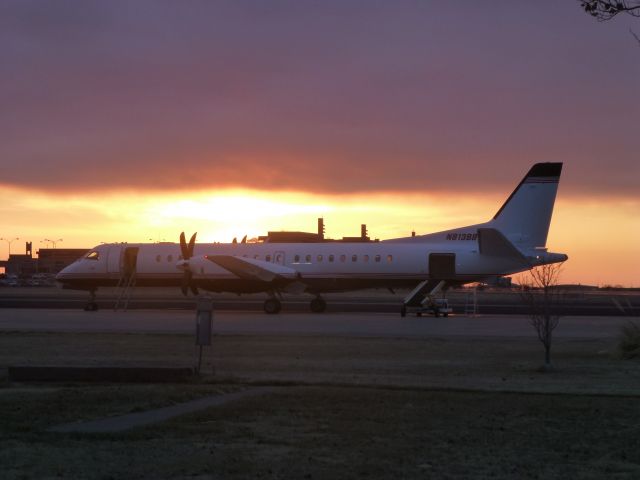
{"x":63,"y":275}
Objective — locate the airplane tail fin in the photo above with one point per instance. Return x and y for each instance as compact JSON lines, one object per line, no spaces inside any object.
{"x":526,"y":215}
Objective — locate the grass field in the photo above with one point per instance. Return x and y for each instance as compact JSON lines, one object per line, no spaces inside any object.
{"x":342,"y":408}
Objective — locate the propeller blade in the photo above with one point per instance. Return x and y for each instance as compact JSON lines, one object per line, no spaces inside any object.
{"x":183,"y":247}
{"x":187,"y":252}
{"x":235,"y":240}
{"x":244,"y":239}
{"x":192,"y":244}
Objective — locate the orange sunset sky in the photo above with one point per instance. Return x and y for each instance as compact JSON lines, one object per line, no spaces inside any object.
{"x":134,"y":121}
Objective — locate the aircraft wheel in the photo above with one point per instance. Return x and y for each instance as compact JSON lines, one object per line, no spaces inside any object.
{"x":445,"y":314}
{"x":318,"y":305}
{"x":272,"y":306}
{"x":403,"y":311}
{"x":418,"y":314}
{"x":91,"y":307}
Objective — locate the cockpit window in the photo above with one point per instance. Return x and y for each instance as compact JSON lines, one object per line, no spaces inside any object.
{"x":93,"y":255}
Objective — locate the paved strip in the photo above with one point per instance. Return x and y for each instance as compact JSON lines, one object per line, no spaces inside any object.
{"x":258,"y":323}
{"x":133,"y":420}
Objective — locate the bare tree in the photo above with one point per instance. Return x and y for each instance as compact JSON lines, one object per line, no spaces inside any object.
{"x":542,"y":297}
{"x":607,"y":9}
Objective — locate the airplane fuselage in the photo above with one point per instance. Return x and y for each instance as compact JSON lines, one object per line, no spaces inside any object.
{"x":323,"y":267}
{"x":512,"y":241}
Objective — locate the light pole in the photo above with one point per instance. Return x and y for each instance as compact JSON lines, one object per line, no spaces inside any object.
{"x":9,"y":241}
{"x":53,"y":242}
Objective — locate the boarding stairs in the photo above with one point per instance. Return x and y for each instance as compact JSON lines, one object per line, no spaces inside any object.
{"x":423,"y":293}
{"x":124,"y":289}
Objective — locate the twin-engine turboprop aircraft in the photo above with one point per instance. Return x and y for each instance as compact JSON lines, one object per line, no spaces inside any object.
{"x":512,"y":241}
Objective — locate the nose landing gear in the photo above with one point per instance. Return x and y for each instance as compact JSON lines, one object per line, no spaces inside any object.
{"x":91,"y":305}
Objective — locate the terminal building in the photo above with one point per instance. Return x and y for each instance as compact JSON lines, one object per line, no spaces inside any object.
{"x":48,"y":261}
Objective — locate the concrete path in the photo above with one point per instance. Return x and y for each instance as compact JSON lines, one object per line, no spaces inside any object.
{"x":133,"y":420}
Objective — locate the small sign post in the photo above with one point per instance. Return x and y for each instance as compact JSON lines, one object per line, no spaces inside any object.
{"x":204,"y":316}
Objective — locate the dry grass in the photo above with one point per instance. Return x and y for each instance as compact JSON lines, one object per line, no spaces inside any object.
{"x":330,"y":432}
{"x":376,"y":408}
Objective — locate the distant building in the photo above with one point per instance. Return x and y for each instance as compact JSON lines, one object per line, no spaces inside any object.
{"x":19,"y":265}
{"x":52,"y":260}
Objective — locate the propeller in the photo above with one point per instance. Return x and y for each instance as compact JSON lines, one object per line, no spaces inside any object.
{"x":187,"y":252}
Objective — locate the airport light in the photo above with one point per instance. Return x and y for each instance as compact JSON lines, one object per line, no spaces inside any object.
{"x":53,"y":242}
{"x":9,"y":241}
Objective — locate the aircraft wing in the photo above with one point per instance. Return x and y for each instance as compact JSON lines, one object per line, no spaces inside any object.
{"x":252,"y":269}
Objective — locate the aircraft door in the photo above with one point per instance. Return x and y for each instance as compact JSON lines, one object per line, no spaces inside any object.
{"x":442,"y":266}
{"x":130,"y":260}
{"x":113,"y":259}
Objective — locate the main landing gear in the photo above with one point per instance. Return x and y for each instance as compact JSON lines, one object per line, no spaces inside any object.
{"x":272,"y":305}
{"x":318,"y":305}
{"x":91,"y":305}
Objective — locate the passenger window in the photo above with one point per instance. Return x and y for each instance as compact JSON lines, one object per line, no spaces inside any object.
{"x":319,"y":258}
{"x":389,"y":258}
{"x":331,"y":258}
{"x":354,"y":258}
{"x":169,"y":258}
{"x":377,"y":258}
{"x":343,"y":258}
{"x":268,"y":258}
{"x":93,"y":255}
{"x":307,"y":259}
{"x":296,"y":259}
{"x":365,"y":258}
{"x":158,"y":258}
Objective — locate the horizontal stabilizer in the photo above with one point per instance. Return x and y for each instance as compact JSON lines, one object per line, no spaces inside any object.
{"x":494,"y":244}
{"x":251,"y":269}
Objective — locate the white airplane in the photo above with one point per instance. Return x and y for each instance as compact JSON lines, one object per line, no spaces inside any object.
{"x":512,"y":241}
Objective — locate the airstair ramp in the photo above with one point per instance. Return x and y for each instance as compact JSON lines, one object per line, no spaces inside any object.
{"x":127,"y":280}
{"x":420,"y":294}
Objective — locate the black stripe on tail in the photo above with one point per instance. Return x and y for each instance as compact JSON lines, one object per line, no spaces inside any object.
{"x":539,"y":173}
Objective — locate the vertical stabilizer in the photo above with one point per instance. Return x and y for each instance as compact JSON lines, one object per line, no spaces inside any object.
{"x":525,"y":217}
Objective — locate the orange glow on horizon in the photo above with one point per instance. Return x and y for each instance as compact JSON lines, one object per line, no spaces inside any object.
{"x":600,"y":236}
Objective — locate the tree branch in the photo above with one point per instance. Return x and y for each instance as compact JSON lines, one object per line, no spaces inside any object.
{"x":607,"y":9}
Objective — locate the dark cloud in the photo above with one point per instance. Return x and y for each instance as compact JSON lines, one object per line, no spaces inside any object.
{"x":326,"y":96}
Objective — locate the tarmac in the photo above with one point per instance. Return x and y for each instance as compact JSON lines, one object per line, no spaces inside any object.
{"x":487,"y":302}
{"x":366,"y":324}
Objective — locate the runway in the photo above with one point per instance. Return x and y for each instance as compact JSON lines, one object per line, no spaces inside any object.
{"x":487,"y":302}
{"x":330,"y":324}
